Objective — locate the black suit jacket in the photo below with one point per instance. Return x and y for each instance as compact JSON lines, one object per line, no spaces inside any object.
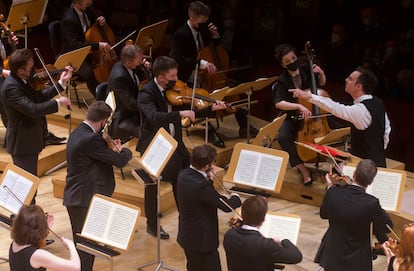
{"x":126,"y":97}
{"x":184,"y":50}
{"x":248,"y":250}
{"x":72,"y":31}
{"x":199,"y":201}
{"x":89,"y":166}
{"x":346,"y":244}
{"x":26,"y":108}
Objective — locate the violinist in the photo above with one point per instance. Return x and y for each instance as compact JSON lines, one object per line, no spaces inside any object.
{"x":75,"y":22}
{"x":124,"y":82}
{"x":156,"y":113}
{"x":294,"y":76}
{"x":247,"y":249}
{"x":198,"y":232}
{"x":26,"y":109}
{"x":90,"y":164}
{"x":29,"y":229}
{"x":370,"y":124}
{"x":400,"y":255}
{"x":188,"y":40}
{"x":350,"y":210}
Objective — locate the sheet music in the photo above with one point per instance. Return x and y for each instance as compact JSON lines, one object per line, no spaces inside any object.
{"x":258,"y":169}
{"x":19,"y":185}
{"x":156,"y":155}
{"x":280,"y":226}
{"x":110,"y":223}
{"x":386,"y":187}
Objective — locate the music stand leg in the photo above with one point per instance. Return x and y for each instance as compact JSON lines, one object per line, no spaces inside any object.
{"x":248,"y":93}
{"x":158,"y":261}
{"x":57,"y":167}
{"x":4,"y":260}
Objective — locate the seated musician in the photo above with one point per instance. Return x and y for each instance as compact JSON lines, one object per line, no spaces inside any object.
{"x":188,"y":40}
{"x":247,"y":249}
{"x":124,"y":82}
{"x":370,"y":124}
{"x":75,"y":22}
{"x":294,"y":76}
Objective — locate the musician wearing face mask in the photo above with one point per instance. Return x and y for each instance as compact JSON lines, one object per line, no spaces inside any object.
{"x":198,"y":232}
{"x":90,"y":162}
{"x":156,"y":113}
{"x":294,"y":76}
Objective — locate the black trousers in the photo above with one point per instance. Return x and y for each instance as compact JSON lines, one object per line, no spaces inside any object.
{"x":202,"y":261}
{"x":77,"y":217}
{"x":287,"y":135}
{"x":27,"y":162}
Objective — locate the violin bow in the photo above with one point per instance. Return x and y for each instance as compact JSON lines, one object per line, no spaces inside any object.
{"x":231,"y":208}
{"x":393,"y":232}
{"x":334,"y":161}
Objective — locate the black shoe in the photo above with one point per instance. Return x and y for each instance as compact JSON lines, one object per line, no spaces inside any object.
{"x":49,"y":241}
{"x":378,"y":249}
{"x":243,"y":132}
{"x":163,"y":234}
{"x":215,"y":139}
{"x":51,"y":139}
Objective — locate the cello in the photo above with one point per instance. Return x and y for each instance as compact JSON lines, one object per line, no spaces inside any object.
{"x":317,"y":126}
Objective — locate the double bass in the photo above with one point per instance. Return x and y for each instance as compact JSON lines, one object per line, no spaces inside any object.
{"x":317,"y":125}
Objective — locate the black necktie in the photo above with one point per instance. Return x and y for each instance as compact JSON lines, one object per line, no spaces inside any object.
{"x":199,"y":45}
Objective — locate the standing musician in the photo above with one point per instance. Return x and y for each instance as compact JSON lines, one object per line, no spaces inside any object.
{"x":188,"y":40}
{"x":124,"y":82}
{"x":350,"y":210}
{"x":155,"y":113}
{"x":30,"y":227}
{"x":294,"y":76}
{"x":75,"y":22}
{"x":199,"y":201}
{"x":370,"y":124}
{"x":90,"y":161}
{"x":247,"y":249}
{"x":26,"y":109}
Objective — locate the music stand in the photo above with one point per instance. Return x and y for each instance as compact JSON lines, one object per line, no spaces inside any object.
{"x":150,"y":37}
{"x":267,"y":133}
{"x":248,"y":89}
{"x":25,"y":15}
{"x":153,"y":161}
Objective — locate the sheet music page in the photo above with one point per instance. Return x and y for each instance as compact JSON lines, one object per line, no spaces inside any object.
{"x":283,"y":227}
{"x":19,"y":185}
{"x":386,"y":187}
{"x":155,"y":157}
{"x":110,"y":223}
{"x":257,"y":169}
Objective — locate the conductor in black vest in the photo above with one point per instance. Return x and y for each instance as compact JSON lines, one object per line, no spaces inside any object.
{"x":370,"y":124}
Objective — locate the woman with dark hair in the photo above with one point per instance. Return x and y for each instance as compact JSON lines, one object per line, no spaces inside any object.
{"x":29,"y":230}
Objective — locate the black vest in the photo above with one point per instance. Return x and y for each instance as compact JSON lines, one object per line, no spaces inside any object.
{"x":369,"y":143}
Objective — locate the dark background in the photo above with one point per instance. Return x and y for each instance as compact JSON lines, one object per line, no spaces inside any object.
{"x":378,"y":34}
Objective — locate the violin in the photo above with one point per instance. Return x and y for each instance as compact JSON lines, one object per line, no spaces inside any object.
{"x":40,"y":79}
{"x":316,"y":126}
{"x":340,"y":180}
{"x":182,"y":94}
{"x":5,"y":31}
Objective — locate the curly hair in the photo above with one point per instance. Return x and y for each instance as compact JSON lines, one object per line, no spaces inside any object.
{"x":29,"y":226}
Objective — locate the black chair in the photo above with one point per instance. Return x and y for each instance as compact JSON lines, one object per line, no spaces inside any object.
{"x":102,"y":91}
{"x":55,"y":37}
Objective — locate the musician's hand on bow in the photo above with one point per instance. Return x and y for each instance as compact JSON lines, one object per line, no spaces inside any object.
{"x":213,"y":31}
{"x":218,"y":105}
{"x":64,"y":101}
{"x":101,"y":20}
{"x":188,"y":114}
{"x":211,"y":68}
{"x":387,"y":248}
{"x":49,"y":220}
{"x":328,"y":180}
{"x":304,"y":112}
{"x":298,"y":93}
{"x":13,"y":38}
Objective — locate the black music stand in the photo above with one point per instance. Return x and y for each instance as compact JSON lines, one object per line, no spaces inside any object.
{"x":26,"y":15}
{"x":248,"y":89}
{"x":150,"y":37}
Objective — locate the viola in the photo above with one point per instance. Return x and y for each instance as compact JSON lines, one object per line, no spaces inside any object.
{"x":316,"y":126}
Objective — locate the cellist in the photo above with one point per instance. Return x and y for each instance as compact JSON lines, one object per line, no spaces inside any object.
{"x":75,"y":22}
{"x":189,"y":39}
{"x":298,"y":77}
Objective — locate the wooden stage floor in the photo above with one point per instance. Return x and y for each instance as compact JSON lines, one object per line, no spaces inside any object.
{"x":143,"y":248}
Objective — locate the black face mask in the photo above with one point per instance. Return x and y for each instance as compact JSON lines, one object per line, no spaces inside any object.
{"x":170,"y":84}
{"x":293,"y":66}
{"x":203,"y":27}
